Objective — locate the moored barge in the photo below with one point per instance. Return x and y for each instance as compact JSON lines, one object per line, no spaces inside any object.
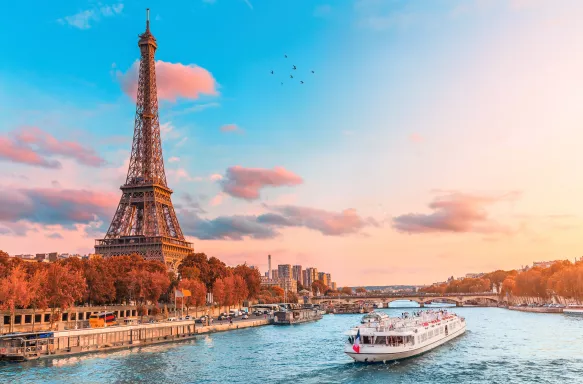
{"x":296,"y":316}
{"x":36,"y":345}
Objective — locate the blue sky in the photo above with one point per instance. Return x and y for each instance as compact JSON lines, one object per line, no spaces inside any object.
{"x":411,"y":103}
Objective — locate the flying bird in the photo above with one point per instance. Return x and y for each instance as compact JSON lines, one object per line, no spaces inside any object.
{"x":312,"y":71}
{"x":272,"y":72}
{"x":301,"y":82}
{"x":285,"y":56}
{"x":291,"y":77}
{"x":294,"y":67}
{"x":281,"y":83}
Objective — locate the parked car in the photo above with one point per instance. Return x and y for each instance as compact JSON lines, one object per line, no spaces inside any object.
{"x":223,"y":316}
{"x":245,"y":316}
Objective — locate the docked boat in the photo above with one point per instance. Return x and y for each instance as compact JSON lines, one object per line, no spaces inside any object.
{"x":573,"y":310}
{"x":296,"y":316}
{"x":380,"y":338}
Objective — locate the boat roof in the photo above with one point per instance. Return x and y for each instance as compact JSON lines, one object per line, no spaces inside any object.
{"x":376,"y":316}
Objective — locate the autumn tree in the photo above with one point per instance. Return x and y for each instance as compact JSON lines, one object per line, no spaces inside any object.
{"x":240,"y":291}
{"x":62,"y":287}
{"x":146,"y":285}
{"x":198,"y":293}
{"x":508,"y":286}
{"x":271,"y":295}
{"x":14,"y":292}
{"x":200,"y":263}
{"x":252,"y":279}
{"x":531,"y":283}
{"x":360,"y":290}
{"x":217,"y":270}
{"x":346,"y":291}
{"x":190,"y":273}
{"x":318,"y":287}
{"x":4,"y":265}
{"x":219,"y":292}
{"x":121,"y":267}
{"x":100,"y":282}
{"x":496,"y":278}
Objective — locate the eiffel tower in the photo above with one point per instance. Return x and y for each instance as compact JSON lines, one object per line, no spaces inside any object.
{"x":145,"y":222}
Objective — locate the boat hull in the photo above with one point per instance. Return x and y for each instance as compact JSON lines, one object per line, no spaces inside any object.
{"x":367,"y":357}
{"x":573,"y":312}
{"x":319,"y":317}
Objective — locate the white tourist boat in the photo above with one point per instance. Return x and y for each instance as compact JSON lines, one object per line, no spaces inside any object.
{"x":574,"y":310}
{"x":383,"y":338}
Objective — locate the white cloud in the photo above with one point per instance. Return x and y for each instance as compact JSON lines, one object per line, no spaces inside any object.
{"x":216,"y":177}
{"x":83,"y":19}
{"x":181,"y":142}
{"x":174,"y":159}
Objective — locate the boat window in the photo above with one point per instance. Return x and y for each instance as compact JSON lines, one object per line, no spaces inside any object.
{"x":380,"y":340}
{"x":366,"y":340}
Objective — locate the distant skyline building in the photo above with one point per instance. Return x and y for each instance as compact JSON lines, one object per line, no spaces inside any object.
{"x":288,"y":284}
{"x":269,"y":266}
{"x":297,"y":273}
{"x":312,"y":276}
{"x":323,"y":277}
{"x":305,"y":278}
{"x":284,"y":271}
{"x":274,"y":274}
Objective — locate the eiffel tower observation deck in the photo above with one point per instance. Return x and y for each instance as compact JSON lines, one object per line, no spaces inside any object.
{"x":145,"y":222}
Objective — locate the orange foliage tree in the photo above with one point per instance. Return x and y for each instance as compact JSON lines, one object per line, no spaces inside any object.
{"x":14,"y":292}
{"x":198,"y":292}
{"x":62,"y":286}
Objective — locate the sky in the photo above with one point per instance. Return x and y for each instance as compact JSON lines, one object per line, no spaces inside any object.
{"x":433,"y":138}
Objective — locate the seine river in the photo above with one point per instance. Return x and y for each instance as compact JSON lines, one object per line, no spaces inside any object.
{"x":500,"y":346}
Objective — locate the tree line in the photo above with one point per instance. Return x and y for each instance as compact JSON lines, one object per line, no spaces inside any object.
{"x":62,"y":284}
{"x":562,"y":278}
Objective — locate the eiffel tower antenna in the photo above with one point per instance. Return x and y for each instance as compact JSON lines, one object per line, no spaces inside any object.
{"x":145,"y":222}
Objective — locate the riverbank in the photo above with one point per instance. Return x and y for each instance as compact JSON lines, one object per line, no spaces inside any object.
{"x":81,"y":341}
{"x":537,"y":309}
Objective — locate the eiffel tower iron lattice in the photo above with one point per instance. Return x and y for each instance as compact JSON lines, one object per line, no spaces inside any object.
{"x":145,"y":222}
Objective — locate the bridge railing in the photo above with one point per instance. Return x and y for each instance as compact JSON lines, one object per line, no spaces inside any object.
{"x":405,"y":295}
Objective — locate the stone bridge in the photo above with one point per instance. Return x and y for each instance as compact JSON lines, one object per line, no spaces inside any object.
{"x":459,"y":299}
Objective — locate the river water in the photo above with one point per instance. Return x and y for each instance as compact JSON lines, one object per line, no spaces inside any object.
{"x":500,"y":346}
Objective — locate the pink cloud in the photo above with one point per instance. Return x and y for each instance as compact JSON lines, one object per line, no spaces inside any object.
{"x":231,"y":128}
{"x":455,"y":212}
{"x":33,"y":146}
{"x":415,"y":138}
{"x":55,"y":206}
{"x":9,"y":150}
{"x":246,"y":183}
{"x":327,"y":222}
{"x":267,"y":225}
{"x":217,"y":200}
{"x":174,"y":80}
